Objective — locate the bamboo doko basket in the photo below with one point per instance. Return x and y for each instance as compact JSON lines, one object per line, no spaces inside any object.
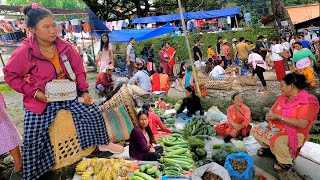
{"x":64,"y":140}
{"x":247,"y":81}
{"x":123,"y":98}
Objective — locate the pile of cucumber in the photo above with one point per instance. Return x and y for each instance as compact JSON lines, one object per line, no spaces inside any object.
{"x":199,"y":128}
{"x":177,"y":158}
{"x":146,"y":172}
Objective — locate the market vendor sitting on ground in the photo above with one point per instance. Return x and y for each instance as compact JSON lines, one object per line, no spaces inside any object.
{"x":160,"y":81}
{"x":238,"y":119}
{"x":104,"y":82}
{"x":155,"y":122}
{"x":289,"y":122}
{"x":140,"y":83}
{"x":218,"y":72}
{"x":192,"y":103}
{"x":141,"y":140}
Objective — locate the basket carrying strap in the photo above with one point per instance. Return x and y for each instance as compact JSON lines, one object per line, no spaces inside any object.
{"x":68,"y":67}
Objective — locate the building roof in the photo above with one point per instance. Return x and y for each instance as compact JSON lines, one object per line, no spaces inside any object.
{"x":303,"y":13}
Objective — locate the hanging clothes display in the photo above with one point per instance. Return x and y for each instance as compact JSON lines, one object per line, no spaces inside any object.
{"x":86,"y":27}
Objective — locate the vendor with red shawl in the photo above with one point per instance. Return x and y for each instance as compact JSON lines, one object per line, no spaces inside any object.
{"x":289,"y":122}
{"x":155,"y":122}
{"x":160,"y":81}
{"x":238,"y":120}
{"x":171,"y":52}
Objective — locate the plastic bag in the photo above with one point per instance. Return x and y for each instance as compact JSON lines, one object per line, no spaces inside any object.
{"x":215,"y":114}
{"x":248,"y":174}
{"x":212,"y":167}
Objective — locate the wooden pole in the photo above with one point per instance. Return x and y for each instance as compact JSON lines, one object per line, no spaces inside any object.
{"x":194,"y":72}
{"x":235,"y":17}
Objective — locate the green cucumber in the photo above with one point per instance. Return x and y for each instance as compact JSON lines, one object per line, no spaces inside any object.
{"x":151,"y":170}
{"x":136,"y":178}
{"x":168,"y":160}
{"x":148,"y":166}
{"x":176,"y":152}
{"x":143,"y":175}
{"x":142,"y":168}
{"x":157,"y":174}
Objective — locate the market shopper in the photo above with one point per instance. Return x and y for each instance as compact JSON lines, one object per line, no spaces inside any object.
{"x":131,"y":56}
{"x":259,"y":66}
{"x":238,"y":120}
{"x":192,"y":103}
{"x":142,"y":140}
{"x":289,"y":122}
{"x":304,"y":61}
{"x":140,"y":83}
{"x":104,"y":82}
{"x":164,"y":58}
{"x":218,"y":72}
{"x":276,"y":49}
{"x":105,"y":55}
{"x":38,"y":61}
{"x":160,"y":81}
{"x":10,"y":141}
{"x":155,"y":122}
{"x":171,"y":53}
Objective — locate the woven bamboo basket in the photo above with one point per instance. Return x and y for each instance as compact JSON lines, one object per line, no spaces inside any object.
{"x":222,"y":84}
{"x":123,"y":98}
{"x":201,"y":75}
{"x":64,"y":140}
{"x":247,"y":81}
{"x":270,"y":76}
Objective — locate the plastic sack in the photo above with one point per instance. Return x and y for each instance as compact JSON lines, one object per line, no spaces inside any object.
{"x":212,"y":167}
{"x":215,"y":114}
{"x":248,"y":174}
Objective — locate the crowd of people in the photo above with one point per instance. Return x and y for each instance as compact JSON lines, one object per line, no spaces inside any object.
{"x":50,"y":58}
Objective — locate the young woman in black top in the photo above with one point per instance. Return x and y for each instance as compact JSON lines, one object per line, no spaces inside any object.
{"x":192,"y":103}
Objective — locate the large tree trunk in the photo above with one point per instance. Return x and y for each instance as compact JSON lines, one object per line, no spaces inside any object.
{"x":278,"y":9}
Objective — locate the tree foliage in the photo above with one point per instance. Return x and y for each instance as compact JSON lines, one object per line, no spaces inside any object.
{"x":118,"y":9}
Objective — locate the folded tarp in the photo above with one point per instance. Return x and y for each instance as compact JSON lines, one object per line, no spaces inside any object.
{"x":139,"y":34}
{"x":190,"y":15}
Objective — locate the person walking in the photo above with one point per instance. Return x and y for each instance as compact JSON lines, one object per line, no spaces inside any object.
{"x":276,"y":49}
{"x":131,"y":56}
{"x":105,"y":55}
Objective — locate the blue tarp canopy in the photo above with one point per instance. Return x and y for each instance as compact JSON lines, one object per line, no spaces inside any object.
{"x":190,"y":15}
{"x":139,"y":34}
{"x":96,"y":23}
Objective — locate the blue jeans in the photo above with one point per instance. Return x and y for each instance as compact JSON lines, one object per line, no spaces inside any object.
{"x":220,"y":76}
{"x":184,"y":115}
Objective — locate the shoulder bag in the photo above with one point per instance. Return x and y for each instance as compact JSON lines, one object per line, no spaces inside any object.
{"x":62,"y":89}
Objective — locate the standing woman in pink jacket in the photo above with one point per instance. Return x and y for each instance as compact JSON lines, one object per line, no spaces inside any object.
{"x":35,"y":63}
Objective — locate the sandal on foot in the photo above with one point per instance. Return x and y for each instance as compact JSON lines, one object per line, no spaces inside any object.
{"x":280,"y":166}
{"x":263,"y":152}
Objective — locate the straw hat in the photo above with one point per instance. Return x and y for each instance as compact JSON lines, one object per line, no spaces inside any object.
{"x":234,"y":40}
{"x":224,"y":41}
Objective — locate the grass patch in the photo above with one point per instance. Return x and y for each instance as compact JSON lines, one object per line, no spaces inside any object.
{"x":5,"y":88}
{"x":92,"y":75}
